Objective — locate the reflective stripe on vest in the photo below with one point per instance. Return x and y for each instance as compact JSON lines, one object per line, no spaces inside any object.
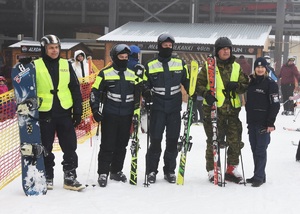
{"x":45,"y":85}
{"x":174,"y":65}
{"x":236,"y":103}
{"x":112,"y":74}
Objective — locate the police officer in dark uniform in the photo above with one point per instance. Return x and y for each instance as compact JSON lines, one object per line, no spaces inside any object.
{"x":262,"y":108}
{"x":116,"y":92}
{"x":60,"y":110}
{"x":164,"y":76}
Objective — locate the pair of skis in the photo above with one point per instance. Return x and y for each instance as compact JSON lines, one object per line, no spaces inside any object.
{"x":185,"y":143}
{"x":211,"y":65}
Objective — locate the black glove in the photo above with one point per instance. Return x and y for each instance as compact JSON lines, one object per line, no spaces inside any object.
{"x":194,"y":97}
{"x":98,"y":116}
{"x":147,"y":94}
{"x":210,"y":99}
{"x":26,"y":60}
{"x":76,"y":119}
{"x":231,"y":86}
{"x":139,"y":70}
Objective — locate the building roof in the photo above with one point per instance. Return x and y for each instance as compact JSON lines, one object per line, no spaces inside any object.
{"x":190,"y":33}
{"x":64,"y":45}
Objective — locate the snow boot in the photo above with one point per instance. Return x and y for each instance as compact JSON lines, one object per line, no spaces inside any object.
{"x":170,"y":177}
{"x":233,"y":175}
{"x":71,"y":183}
{"x":211,"y":176}
{"x":257,"y":183}
{"x":102,"y":180}
{"x":152,"y":177}
{"x":49,"y":183}
{"x":119,"y":176}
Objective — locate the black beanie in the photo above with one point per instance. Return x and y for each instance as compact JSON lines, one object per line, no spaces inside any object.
{"x":260,"y":61}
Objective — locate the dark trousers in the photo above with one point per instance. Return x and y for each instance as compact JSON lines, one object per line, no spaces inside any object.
{"x":287,"y":91}
{"x":259,"y":142}
{"x":115,"y":132}
{"x":66,"y":135}
{"x":159,"y":121}
{"x":197,"y":108}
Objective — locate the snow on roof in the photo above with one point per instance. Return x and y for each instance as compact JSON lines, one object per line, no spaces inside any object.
{"x":190,"y":33}
{"x":64,"y":45}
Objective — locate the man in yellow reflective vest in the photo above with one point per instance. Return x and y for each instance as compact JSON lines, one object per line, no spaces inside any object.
{"x":230,"y":81}
{"x":60,"y":111}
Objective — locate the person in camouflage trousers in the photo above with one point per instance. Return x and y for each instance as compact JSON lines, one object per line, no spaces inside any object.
{"x":230,"y":81}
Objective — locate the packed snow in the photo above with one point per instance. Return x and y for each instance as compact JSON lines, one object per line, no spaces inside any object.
{"x":278,"y":195}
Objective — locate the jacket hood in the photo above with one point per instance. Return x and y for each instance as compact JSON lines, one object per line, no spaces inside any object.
{"x":76,"y":53}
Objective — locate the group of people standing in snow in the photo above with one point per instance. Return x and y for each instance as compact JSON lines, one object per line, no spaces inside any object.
{"x":115,"y":98}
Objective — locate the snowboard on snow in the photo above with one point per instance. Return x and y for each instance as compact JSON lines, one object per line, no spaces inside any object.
{"x":32,"y":151}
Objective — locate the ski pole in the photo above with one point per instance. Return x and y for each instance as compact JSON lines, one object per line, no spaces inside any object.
{"x":146,"y":183}
{"x":296,"y":116}
{"x":242,"y":164}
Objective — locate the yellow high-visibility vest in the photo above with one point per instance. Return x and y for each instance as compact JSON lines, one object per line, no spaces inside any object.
{"x":45,"y":86}
{"x":220,"y":86}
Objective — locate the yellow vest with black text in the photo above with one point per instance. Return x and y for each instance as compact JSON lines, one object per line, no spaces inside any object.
{"x":45,"y":85}
{"x":220,"y":86}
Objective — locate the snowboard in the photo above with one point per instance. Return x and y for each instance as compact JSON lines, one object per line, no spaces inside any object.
{"x":32,"y":151}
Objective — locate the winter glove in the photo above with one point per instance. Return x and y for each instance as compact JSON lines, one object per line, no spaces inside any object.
{"x":139,"y":70}
{"x":194,"y":97}
{"x":210,"y":99}
{"x":25,"y":61}
{"x":76,"y":119}
{"x":231,"y":86}
{"x":147,"y":94}
{"x":98,"y":116}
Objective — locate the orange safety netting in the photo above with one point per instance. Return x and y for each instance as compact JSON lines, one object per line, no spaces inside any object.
{"x":10,"y":158}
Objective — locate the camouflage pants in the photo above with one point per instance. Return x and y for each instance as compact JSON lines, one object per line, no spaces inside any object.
{"x":229,"y":131}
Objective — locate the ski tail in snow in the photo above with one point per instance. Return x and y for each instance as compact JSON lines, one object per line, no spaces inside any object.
{"x":185,"y":143}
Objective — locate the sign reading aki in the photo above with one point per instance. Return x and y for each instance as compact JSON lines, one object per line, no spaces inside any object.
{"x":30,"y":49}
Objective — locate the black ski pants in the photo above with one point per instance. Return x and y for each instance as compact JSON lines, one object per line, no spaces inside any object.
{"x":158,"y":122}
{"x":65,"y":131}
{"x":287,"y":91}
{"x":115,"y":132}
{"x":259,"y":142}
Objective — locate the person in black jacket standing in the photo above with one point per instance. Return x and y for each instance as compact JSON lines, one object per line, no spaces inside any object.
{"x":261,"y":117}
{"x":114,"y":100}
{"x":60,"y":110}
{"x":163,"y":78}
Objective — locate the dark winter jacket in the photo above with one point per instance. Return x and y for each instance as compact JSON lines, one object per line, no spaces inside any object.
{"x":246,"y":67}
{"x":115,"y":88}
{"x":288,"y":73}
{"x":57,"y":110}
{"x":262,"y":104}
{"x":164,"y":77}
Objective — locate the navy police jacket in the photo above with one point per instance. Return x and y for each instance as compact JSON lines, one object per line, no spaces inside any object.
{"x":262,"y":104}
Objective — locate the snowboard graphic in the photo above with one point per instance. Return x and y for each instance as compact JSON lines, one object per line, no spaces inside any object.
{"x":32,"y":159}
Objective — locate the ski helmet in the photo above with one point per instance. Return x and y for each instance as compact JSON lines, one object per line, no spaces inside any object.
{"x":119,"y":49}
{"x":222,"y":42}
{"x":165,"y":37}
{"x":49,"y":39}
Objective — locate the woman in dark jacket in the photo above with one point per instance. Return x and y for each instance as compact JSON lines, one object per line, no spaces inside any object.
{"x":262,"y":108}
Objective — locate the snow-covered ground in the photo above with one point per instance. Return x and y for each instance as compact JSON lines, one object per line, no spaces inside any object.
{"x":278,"y":195}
